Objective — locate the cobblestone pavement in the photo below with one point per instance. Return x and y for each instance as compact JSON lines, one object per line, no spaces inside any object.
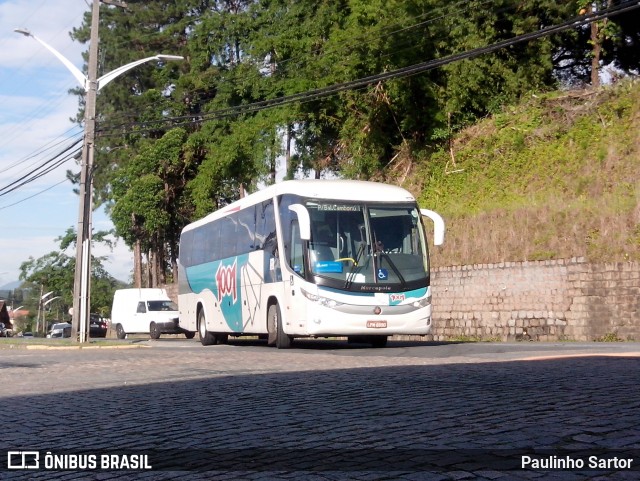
{"x":324,"y":411}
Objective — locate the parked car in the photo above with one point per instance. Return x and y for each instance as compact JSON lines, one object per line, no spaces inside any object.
{"x":97,"y":326}
{"x":60,"y":330}
{"x":5,"y":331}
{"x":145,"y":311}
{"x":27,"y":334}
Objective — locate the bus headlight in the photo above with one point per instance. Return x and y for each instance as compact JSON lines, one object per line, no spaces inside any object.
{"x":424,"y":302}
{"x":323,"y":301}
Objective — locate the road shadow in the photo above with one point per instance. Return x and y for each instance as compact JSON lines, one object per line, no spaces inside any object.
{"x":402,"y":422}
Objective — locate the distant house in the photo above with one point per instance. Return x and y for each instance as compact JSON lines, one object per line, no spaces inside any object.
{"x":4,"y":315}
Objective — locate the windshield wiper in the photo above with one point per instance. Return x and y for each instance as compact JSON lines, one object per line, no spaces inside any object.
{"x":352,"y":271}
{"x":394,"y":268}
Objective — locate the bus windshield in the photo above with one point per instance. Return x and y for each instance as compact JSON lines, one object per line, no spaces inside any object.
{"x":355,"y":245}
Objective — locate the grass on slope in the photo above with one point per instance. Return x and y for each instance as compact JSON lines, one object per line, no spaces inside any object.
{"x":555,"y":177}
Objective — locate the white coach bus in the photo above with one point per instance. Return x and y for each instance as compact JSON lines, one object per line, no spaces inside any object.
{"x":309,"y":258}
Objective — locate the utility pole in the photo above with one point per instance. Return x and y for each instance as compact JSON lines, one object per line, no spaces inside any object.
{"x":82,"y":277}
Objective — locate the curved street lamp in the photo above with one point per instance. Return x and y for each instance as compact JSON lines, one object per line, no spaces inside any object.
{"x":91,"y":85}
{"x":82,"y":79}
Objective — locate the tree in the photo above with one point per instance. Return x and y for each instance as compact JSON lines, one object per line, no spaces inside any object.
{"x":147,"y":210}
{"x":55,"y":272}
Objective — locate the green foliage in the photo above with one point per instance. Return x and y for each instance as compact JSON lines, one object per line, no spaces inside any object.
{"x":554,"y":177}
{"x":55,"y":272}
{"x":148,"y":193}
{"x":610,"y":337}
{"x":474,"y":338}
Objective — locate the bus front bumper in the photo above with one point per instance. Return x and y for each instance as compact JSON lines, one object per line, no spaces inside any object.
{"x":368,"y":320}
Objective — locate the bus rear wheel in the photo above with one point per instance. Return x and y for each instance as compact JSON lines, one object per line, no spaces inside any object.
{"x":120,"y":334}
{"x":206,"y":338}
{"x":277,"y":335}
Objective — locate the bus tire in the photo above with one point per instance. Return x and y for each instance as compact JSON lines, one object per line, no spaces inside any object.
{"x":189,"y":334}
{"x":283,"y":341}
{"x":271,"y":325}
{"x":206,"y":338}
{"x":120,"y":334}
{"x":154,"y":331}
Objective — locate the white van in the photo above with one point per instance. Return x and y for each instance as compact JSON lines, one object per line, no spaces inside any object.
{"x":145,"y":310}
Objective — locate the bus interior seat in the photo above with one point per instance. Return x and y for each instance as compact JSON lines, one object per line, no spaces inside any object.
{"x":322,"y":245}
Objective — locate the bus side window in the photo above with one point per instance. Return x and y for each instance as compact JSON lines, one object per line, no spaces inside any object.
{"x":245,"y":233}
{"x":141,"y":308}
{"x":296,"y":252}
{"x":185,"y":248}
{"x":199,"y":246}
{"x":266,"y":228}
{"x":227,"y":236}
{"x":212,"y":247}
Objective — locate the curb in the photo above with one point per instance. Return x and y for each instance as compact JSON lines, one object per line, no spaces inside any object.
{"x":36,"y":347}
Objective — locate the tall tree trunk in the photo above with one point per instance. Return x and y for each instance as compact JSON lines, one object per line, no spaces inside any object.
{"x":137,"y":254}
{"x":137,"y":264}
{"x":173,"y":259}
{"x":174,"y":271}
{"x":153,"y":261}
{"x":595,"y":59}
{"x":162,"y":265}
{"x":149,"y":269}
{"x":290,"y":168}
{"x":273,"y":162}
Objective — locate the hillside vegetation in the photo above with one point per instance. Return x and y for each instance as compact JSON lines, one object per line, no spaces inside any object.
{"x":556,"y":176}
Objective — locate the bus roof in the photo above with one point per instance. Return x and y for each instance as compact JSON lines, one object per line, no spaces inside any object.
{"x":345,"y":190}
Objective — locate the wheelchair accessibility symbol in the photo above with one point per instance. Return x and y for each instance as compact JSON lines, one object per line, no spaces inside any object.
{"x":383,"y":274}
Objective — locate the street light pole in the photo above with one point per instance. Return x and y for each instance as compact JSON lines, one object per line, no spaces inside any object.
{"x":81,"y":280}
{"x":91,"y":85}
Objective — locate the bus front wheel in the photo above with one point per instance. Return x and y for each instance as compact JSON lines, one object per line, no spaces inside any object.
{"x":277,"y":335}
{"x":206,"y":338}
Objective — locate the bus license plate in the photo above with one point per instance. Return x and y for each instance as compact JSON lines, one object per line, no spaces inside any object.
{"x":377,"y":324}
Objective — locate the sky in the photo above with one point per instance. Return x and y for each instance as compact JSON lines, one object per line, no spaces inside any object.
{"x":35,"y":112}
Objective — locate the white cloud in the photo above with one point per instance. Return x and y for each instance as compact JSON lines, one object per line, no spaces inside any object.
{"x":36,"y":109}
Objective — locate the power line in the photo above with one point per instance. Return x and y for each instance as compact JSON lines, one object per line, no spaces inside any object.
{"x":32,"y":196}
{"x":381,"y":77}
{"x":41,"y":150}
{"x":42,"y":169}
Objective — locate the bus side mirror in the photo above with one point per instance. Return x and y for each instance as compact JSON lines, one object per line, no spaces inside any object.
{"x":438,"y":225}
{"x":303,"y":220}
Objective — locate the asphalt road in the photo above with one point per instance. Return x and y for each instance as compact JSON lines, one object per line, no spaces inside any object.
{"x":173,"y":409}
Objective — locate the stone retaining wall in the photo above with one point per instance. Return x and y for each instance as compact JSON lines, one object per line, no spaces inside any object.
{"x":541,"y":301}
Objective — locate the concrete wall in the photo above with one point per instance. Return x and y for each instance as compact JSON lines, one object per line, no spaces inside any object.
{"x":540,"y":301}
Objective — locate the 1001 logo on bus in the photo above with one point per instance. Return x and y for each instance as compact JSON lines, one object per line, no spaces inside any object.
{"x":226,"y":281}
